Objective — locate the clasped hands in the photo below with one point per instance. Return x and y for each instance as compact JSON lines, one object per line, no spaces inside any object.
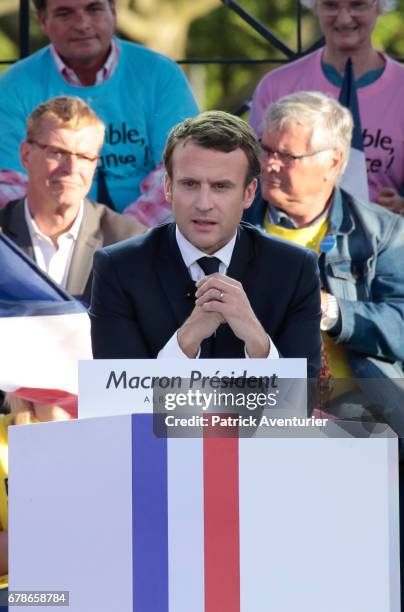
{"x":221,"y":299}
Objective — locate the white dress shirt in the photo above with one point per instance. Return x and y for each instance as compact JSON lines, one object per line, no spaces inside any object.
{"x":190,"y":254}
{"x":54,"y":259}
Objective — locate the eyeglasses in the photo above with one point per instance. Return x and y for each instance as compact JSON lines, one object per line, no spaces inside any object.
{"x":331,"y":8}
{"x":287,"y":159}
{"x":60,"y":155}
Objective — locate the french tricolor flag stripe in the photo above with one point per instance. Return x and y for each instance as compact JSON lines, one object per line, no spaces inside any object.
{"x":22,"y":281}
{"x":159,"y":577}
{"x":150,"y":517}
{"x":46,"y":396}
{"x":43,"y":331}
{"x":222,"y":558}
{"x":42,"y":351}
{"x":186,"y":520}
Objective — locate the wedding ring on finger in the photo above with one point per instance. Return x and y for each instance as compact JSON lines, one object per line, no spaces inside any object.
{"x":221,"y":296}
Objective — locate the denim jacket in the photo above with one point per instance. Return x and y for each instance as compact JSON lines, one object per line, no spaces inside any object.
{"x":365,"y":272}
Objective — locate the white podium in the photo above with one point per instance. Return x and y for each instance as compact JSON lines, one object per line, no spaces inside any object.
{"x":127,"y":522}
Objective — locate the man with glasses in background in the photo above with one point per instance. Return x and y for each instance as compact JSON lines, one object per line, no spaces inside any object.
{"x":305,"y":146}
{"x":56,"y":225}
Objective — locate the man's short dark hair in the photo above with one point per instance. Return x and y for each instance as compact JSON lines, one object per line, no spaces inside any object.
{"x":40,"y":5}
{"x":219,"y":131}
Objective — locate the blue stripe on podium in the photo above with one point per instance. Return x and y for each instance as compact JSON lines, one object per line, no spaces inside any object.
{"x":150,"y":517}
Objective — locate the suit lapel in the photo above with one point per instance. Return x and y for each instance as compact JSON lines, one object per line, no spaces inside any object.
{"x":15,"y":227}
{"x":174,"y":277}
{"x":243,"y":252}
{"x":88,"y":240}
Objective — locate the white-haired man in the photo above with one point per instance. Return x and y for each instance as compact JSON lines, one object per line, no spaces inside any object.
{"x":305,"y":145}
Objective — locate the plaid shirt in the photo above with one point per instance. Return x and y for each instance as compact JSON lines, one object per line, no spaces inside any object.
{"x":150,"y":208}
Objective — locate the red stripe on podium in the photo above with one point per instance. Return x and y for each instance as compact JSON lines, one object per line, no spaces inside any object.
{"x":222,"y":538}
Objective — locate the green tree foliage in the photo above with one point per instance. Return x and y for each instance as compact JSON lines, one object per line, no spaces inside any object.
{"x":8,"y":50}
{"x":162,"y":25}
{"x":223,"y":35}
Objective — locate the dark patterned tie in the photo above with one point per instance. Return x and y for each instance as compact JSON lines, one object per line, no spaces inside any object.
{"x":209,"y":265}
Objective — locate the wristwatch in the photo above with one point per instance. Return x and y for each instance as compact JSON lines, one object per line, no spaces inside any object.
{"x":331,"y":316}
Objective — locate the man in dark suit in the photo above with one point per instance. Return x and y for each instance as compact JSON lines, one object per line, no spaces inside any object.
{"x":263,"y":296}
{"x":56,"y":225}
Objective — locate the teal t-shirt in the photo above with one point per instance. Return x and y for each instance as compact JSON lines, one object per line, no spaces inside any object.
{"x":144,"y":98}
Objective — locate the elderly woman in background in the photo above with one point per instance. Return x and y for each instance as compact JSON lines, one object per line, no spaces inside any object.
{"x":22,"y":413}
{"x":347,"y":26}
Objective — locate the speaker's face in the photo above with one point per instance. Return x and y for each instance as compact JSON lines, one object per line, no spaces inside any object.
{"x":208,"y":194}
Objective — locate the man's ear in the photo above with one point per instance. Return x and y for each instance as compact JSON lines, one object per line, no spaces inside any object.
{"x":334,"y":167}
{"x":25,"y":149}
{"x":113,"y":8}
{"x":41,"y":16}
{"x":249,"y":193}
{"x":167,"y":188}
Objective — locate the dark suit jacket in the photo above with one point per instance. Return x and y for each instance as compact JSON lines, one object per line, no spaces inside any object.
{"x":142,"y":293}
{"x":100,"y":226}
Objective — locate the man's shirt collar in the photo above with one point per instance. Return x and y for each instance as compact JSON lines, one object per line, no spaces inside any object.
{"x":102,"y":75}
{"x":277,"y":216}
{"x":190,"y":253}
{"x":34,"y":230}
